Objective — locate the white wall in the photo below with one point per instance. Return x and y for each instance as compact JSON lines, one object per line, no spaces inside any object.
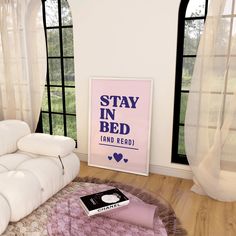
{"x":129,"y":38}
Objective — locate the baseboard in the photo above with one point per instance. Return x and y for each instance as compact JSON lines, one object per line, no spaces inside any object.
{"x":82,"y":156}
{"x":155,"y":169}
{"x":171,"y":171}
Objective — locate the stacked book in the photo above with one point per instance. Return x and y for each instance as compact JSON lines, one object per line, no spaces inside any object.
{"x":103,"y":201}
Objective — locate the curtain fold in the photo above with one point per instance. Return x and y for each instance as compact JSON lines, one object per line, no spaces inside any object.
{"x":22,"y":60}
{"x":210,"y":122}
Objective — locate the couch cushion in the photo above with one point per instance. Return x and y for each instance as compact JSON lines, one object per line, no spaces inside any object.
{"x":10,"y":132}
{"x":3,"y":168}
{"x":5,"y":214}
{"x":22,"y":191}
{"x":48,"y":173}
{"x":45,"y":144}
{"x":71,"y":165}
{"x":11,"y":161}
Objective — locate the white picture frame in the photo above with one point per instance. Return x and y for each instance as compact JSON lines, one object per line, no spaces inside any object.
{"x":120,"y":124}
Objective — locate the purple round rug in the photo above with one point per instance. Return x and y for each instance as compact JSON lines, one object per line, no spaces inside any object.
{"x":68,"y":217}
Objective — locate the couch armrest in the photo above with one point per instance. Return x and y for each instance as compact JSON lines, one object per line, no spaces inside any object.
{"x":10,"y":132}
{"x":47,"y":145}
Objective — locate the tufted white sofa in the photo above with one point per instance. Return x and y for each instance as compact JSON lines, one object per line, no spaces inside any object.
{"x":33,"y":167}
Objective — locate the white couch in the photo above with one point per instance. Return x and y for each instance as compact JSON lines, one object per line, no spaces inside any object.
{"x":31,"y":170}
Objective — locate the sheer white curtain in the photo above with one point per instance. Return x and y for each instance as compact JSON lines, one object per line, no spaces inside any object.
{"x":210,"y":123}
{"x":22,"y":60}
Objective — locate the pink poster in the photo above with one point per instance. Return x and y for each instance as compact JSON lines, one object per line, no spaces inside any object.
{"x":120,"y":122}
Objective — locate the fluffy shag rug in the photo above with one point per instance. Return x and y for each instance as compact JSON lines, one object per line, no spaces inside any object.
{"x":164,"y":210}
{"x":55,"y":218}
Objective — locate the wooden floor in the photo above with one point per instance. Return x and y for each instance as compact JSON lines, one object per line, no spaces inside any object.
{"x":199,"y":215}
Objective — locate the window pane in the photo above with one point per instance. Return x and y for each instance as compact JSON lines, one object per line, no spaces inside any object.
{"x":233,"y":39}
{"x":56,"y":99}
{"x":51,"y":9}
{"x":229,"y":111}
{"x":45,"y":118}
{"x":195,"y":8}
{"x":194,"y":26}
{"x":181,"y":146}
{"x":231,"y":85}
{"x":188,"y":66}
{"x":217,"y":68}
{"x":71,"y":126}
{"x":53,"y":42}
{"x":183,"y":105}
{"x":67,"y":34}
{"x":222,"y":40}
{"x":54,"y":71}
{"x":69,"y":75}
{"x":193,"y":31}
{"x":228,"y":7}
{"x":70,"y":100}
{"x":45,"y":100}
{"x":228,"y":150}
{"x":55,"y":57}
{"x":65,"y":13}
{"x":57,"y":124}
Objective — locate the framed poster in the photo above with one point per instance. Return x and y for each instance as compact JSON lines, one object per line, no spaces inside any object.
{"x":120,"y":123}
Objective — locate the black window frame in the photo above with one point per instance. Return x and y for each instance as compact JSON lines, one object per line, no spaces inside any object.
{"x":48,"y":85}
{"x":177,"y":157}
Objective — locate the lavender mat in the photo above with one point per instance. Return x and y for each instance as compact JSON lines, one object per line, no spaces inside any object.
{"x":39,"y":222}
{"x":69,"y":218}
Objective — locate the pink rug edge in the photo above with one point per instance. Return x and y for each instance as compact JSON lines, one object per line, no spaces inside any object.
{"x":164,"y":210}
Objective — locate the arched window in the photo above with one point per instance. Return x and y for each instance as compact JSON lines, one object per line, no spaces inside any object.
{"x":58,"y":114}
{"x":192,"y":15}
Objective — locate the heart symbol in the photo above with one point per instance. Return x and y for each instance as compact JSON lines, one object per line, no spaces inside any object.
{"x":109,"y":157}
{"x":118,"y":156}
{"x":125,"y":160}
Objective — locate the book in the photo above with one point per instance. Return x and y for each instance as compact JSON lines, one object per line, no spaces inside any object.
{"x":103,"y":201}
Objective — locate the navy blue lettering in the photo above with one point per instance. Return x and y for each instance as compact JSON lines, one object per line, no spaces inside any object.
{"x":104,"y":100}
{"x":115,"y":100}
{"x":114,"y":128}
{"x":107,"y":113}
{"x":104,"y":126}
{"x":124,"y":102}
{"x":133,"y":101}
{"x":124,"y":129}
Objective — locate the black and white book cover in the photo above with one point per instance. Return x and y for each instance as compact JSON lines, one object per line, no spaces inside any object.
{"x":103,"y":201}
